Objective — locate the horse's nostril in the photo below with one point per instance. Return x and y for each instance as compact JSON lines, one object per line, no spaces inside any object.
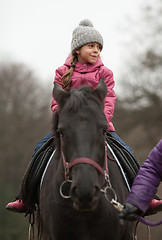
{"x":73,"y":192}
{"x":97,"y":190}
{"x":84,"y":193}
{"x":85,"y":199}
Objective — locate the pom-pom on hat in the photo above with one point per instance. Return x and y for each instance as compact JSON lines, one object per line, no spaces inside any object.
{"x":85,"y":33}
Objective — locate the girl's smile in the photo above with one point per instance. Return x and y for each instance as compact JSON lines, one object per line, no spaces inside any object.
{"x":89,"y":53}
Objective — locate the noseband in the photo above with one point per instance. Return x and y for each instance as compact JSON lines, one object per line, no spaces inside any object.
{"x":76,"y":161}
{"x":104,"y":172}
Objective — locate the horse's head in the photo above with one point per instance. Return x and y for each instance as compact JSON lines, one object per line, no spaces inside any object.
{"x":81,"y":127}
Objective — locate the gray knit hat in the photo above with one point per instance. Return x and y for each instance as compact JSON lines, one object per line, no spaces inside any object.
{"x":85,"y":33}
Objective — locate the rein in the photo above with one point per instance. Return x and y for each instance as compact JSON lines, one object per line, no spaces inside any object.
{"x":148,"y":223}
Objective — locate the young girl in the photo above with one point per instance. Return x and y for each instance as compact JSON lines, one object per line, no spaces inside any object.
{"x":83,"y":66}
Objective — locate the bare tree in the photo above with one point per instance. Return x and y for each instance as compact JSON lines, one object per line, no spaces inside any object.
{"x":143,"y":72}
{"x":138,"y":115}
{"x":25,"y":116}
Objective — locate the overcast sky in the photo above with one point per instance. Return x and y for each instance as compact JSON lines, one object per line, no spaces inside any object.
{"x":38,"y":32}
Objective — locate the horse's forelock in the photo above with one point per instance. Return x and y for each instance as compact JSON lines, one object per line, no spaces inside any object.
{"x":78,"y":98}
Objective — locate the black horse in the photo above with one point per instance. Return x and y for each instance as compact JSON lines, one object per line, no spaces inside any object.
{"x":72,"y":201}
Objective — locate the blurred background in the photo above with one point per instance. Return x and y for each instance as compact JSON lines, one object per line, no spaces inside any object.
{"x":35,"y":40}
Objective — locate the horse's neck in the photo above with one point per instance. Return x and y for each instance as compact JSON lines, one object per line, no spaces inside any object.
{"x":117,"y":181}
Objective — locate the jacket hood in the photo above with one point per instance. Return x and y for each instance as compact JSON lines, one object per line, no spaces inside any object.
{"x":84,"y":67}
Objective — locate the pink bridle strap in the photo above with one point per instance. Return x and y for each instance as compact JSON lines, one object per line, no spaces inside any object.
{"x":85,"y":160}
{"x":76,"y":161}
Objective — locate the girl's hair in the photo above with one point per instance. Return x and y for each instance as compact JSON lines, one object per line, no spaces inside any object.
{"x":66,"y":78}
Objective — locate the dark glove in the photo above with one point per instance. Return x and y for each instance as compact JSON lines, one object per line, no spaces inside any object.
{"x":129,"y":212}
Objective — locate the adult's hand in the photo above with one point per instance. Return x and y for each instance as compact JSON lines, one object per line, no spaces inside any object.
{"x":129,"y":212}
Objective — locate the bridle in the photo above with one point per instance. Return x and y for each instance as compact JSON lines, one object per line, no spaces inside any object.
{"x":80,"y":160}
{"x":84,"y":160}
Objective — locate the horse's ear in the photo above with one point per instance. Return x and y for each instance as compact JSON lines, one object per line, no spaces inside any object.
{"x":101,"y":90}
{"x":59,"y":94}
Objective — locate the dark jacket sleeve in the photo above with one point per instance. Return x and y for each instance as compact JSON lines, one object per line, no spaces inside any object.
{"x":148,"y":179}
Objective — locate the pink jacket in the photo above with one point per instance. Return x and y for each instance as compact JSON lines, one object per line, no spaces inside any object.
{"x":90,"y":74}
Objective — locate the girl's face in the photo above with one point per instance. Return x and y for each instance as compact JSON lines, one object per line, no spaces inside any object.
{"x":89,"y":53}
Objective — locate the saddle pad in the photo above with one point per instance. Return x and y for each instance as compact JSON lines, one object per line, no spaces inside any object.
{"x":33,"y":175}
{"x":128,"y":162}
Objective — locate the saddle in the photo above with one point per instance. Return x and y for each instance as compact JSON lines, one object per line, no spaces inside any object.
{"x":128,"y":162}
{"x":31,"y":181}
{"x":30,"y":186}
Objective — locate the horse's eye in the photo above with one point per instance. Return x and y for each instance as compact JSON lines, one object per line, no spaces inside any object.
{"x":104,"y":131}
{"x":61,"y":134}
{"x":60,"y":131}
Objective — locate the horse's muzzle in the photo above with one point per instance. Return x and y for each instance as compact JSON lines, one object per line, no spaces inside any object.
{"x":85,"y":201}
